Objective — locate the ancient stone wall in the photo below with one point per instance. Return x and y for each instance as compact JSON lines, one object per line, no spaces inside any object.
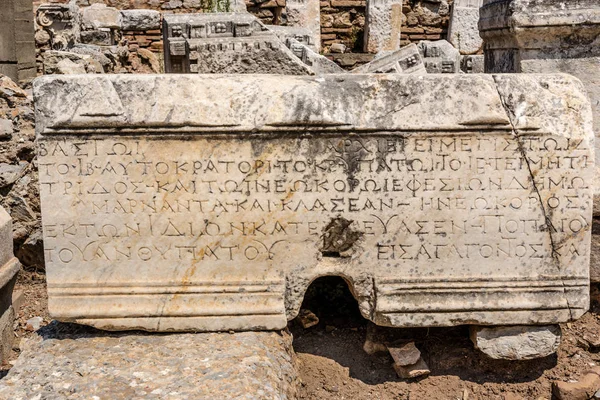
{"x":342,"y":21}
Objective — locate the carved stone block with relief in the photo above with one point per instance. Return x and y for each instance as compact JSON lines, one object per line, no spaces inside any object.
{"x":207,"y":203}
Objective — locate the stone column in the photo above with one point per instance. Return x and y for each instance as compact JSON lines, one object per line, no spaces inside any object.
{"x":306,"y":14}
{"x":382,"y":26}
{"x":17,"y":46}
{"x":9,"y":268}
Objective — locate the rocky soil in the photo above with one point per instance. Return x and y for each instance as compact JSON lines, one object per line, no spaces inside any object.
{"x":19,"y":193}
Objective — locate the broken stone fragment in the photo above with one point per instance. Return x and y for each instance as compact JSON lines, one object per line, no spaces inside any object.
{"x":412,"y":371}
{"x":408,"y":362}
{"x":150,"y":58}
{"x":516,"y":342}
{"x":6,"y":128}
{"x":406,"y":60}
{"x":307,"y":318}
{"x":100,"y":16}
{"x":337,"y":48}
{"x":405,"y":355}
{"x":583,"y":389}
{"x":140,"y":20}
{"x":463,"y":32}
{"x":66,"y":67}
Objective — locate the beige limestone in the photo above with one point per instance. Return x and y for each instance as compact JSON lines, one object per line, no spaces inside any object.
{"x":306,"y":14}
{"x":191,"y":202}
{"x":68,"y":362}
{"x":516,"y":342}
{"x":9,"y":268}
{"x":382,"y":25}
{"x":546,"y":36}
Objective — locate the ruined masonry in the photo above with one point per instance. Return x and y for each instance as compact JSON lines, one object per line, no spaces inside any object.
{"x":226,"y":43}
{"x":214,"y":209}
{"x":9,"y":268}
{"x":382,"y":25}
{"x":17,"y":46}
{"x":541,"y":36}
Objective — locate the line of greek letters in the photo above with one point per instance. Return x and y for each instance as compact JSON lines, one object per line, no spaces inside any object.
{"x":95,"y":250}
{"x":407,"y":164}
{"x":395,"y":224}
{"x":344,"y":146}
{"x":411,"y":184}
{"x":507,"y":248}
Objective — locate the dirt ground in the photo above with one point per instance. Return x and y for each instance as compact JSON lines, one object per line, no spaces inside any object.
{"x":333,"y":365}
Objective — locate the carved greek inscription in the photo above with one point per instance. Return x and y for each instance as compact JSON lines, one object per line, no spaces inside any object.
{"x":410,"y":199}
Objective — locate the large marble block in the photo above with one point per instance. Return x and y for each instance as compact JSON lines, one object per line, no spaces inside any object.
{"x":206,"y":203}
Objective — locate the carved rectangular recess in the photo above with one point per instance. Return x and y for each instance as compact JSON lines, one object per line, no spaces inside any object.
{"x":203,"y":203}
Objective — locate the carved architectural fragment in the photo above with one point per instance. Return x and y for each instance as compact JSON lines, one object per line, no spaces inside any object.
{"x":463,"y":32}
{"x":216,"y":208}
{"x":225,"y":43}
{"x":439,"y":57}
{"x":407,"y":60}
{"x":9,"y":268}
{"x":17,"y":45}
{"x":382,"y":25}
{"x":306,"y":14}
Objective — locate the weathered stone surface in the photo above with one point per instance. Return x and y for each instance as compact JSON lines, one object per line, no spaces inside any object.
{"x":595,"y":257}
{"x":248,"y":365}
{"x":382,"y":25}
{"x":420,"y":368}
{"x":9,"y":268}
{"x":472,"y":64}
{"x":98,"y":15}
{"x":302,"y":35}
{"x":516,"y":342}
{"x":463,"y":31}
{"x":407,"y":60}
{"x":317,"y":63}
{"x":224,"y":43}
{"x":101,"y":37}
{"x":17,"y":43}
{"x":214,"y":209}
{"x":6,"y":128}
{"x":67,"y":67}
{"x":541,"y":36}
{"x":405,"y":355}
{"x":306,"y":14}
{"x":439,"y":57}
{"x":66,"y":62}
{"x":140,"y":20}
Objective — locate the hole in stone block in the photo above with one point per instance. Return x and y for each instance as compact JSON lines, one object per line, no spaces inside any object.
{"x":331,"y":300}
{"x":339,"y":237}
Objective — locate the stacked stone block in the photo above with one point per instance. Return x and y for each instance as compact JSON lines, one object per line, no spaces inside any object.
{"x":17,"y":46}
{"x":9,"y":268}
